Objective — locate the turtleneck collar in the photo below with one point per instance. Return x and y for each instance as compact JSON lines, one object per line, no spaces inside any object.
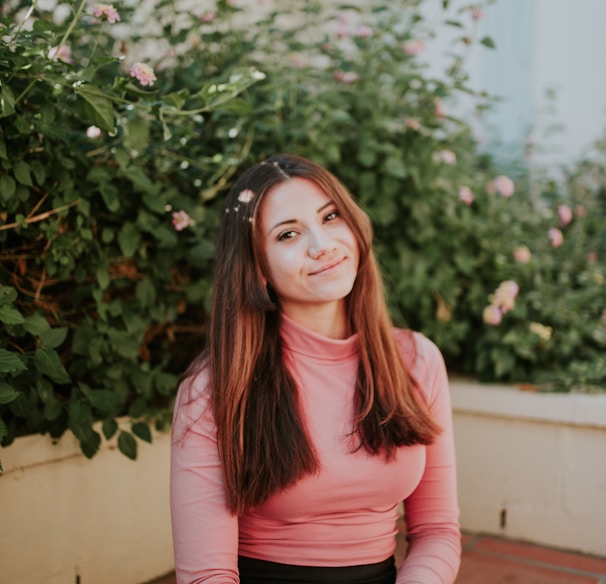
{"x":298,"y":339}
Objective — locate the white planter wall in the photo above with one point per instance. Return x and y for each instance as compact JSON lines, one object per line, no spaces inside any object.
{"x":67,"y":519}
{"x":532,"y":466}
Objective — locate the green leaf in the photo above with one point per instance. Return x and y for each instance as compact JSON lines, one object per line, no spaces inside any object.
{"x":7,"y":393}
{"x":127,"y":445}
{"x":138,"y":178}
{"x":54,"y":337}
{"x":47,"y":361}
{"x":7,"y":102}
{"x":35,"y":324}
{"x":8,"y":186}
{"x":100,"y":108}
{"x":10,"y":362}
{"x":109,"y":428}
{"x":141,"y":430}
{"x":138,"y":407}
{"x":3,"y":148}
{"x":90,"y":445}
{"x":8,"y":294}
{"x":488,"y":42}
{"x":22,"y":173}
{"x":146,"y":292}
{"x":109,"y":193}
{"x":129,"y":238}
{"x":137,"y":134}
{"x":52,"y":409}
{"x":10,"y":315}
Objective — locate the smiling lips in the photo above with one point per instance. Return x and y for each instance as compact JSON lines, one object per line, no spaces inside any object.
{"x":328,"y":267}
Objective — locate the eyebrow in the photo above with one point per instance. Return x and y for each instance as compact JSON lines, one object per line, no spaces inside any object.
{"x":288,"y":221}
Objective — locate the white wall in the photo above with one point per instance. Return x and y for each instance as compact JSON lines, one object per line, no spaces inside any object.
{"x":544,"y":46}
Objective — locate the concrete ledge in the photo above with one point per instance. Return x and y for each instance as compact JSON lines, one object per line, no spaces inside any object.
{"x":506,"y":401}
{"x":532,"y":466}
{"x":68,"y":519}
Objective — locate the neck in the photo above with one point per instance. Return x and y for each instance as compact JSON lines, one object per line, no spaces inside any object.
{"x":329,"y":321}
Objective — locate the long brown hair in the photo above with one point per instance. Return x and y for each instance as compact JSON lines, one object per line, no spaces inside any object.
{"x":262,"y":440}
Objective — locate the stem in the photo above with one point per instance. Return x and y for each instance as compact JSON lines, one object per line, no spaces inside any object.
{"x":72,"y":24}
{"x":40,"y":217}
{"x":25,"y":18}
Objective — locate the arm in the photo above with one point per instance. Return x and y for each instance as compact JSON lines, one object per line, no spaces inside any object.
{"x":431,"y":511}
{"x":205,"y":534}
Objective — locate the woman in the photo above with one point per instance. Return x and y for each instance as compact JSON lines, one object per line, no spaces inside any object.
{"x":309,"y":418}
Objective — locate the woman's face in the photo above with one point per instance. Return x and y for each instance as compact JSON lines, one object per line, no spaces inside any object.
{"x":311,"y":253}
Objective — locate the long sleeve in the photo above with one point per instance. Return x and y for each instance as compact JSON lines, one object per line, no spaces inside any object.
{"x":205,"y":534}
{"x":431,"y":512}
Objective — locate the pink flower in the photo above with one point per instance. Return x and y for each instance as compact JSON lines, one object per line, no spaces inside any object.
{"x":298,"y":61}
{"x":143,"y":73}
{"x":346,"y":76}
{"x":466,"y":195}
{"x":438,"y":109}
{"x":477,"y":13}
{"x":448,"y":157}
{"x":93,"y":132}
{"x":62,"y":53}
{"x":181,"y":220}
{"x":107,"y":11}
{"x":502,"y":185}
{"x":342,"y":29}
{"x":413,"y":47}
{"x":522,"y":254}
{"x":412,"y":124}
{"x":564,"y":214}
{"x":363,"y":31}
{"x":556,"y":237}
{"x":492,"y":315}
{"x":505,"y":295}
{"x":579,"y":211}
{"x":206,"y":17}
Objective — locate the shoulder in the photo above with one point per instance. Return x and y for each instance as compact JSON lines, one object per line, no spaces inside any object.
{"x":417,"y":351}
{"x":193,"y":405}
{"x":422,"y":358}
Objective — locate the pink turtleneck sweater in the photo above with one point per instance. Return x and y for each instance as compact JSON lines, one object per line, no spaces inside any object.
{"x":346,"y":515}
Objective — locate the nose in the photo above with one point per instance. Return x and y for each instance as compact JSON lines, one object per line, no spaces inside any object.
{"x":320,"y":244}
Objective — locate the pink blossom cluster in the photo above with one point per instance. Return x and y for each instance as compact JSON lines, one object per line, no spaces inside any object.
{"x":564,"y":215}
{"x":413,"y":47}
{"x":106,"y":11}
{"x":476,"y":13}
{"x":143,"y":73}
{"x":346,"y":76}
{"x":93,"y":132}
{"x":522,"y":254}
{"x":448,"y":157}
{"x":502,"y":185}
{"x":62,"y":53}
{"x":181,"y":220}
{"x":556,"y":237}
{"x":412,"y":124}
{"x":206,"y":17}
{"x":465,"y":195}
{"x":501,"y":302}
{"x":363,"y":31}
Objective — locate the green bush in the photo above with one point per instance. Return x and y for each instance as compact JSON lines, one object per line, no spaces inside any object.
{"x":107,"y":234}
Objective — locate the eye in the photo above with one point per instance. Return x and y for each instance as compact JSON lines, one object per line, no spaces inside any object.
{"x":287,"y":235}
{"x":331,"y":216}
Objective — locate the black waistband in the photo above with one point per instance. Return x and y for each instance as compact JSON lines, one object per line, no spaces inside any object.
{"x":254,"y":571}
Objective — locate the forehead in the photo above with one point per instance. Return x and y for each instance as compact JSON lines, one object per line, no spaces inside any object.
{"x":295,"y":196}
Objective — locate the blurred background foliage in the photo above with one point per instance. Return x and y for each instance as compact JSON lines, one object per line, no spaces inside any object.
{"x":111,"y":185}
